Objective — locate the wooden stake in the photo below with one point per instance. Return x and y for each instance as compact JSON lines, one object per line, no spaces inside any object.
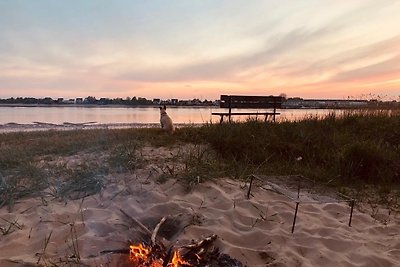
{"x":295,"y":216}
{"x":351,"y":211}
{"x":249,"y":191}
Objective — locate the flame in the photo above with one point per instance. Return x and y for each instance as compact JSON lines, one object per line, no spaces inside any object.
{"x":177,"y":260}
{"x":141,"y":256}
{"x":139,"y":252}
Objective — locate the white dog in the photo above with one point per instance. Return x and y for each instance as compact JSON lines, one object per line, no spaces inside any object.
{"x":165,"y":120}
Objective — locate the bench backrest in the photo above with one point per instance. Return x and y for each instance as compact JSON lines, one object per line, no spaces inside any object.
{"x":241,"y":101}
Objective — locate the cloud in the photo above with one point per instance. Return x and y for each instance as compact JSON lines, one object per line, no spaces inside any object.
{"x":228,"y":67}
{"x":386,"y":70}
{"x":349,"y":56}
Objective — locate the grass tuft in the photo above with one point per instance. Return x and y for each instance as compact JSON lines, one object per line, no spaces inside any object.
{"x":200,"y":164}
{"x":83,"y":181}
{"x":124,"y":157}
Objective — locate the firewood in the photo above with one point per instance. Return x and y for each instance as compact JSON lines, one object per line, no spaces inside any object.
{"x":144,"y":228}
{"x":202,"y":243}
{"x":197,"y":249}
{"x":167,"y":257}
{"x":153,"y":236}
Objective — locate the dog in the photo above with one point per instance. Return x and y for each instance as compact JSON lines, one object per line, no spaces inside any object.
{"x":166,"y":121}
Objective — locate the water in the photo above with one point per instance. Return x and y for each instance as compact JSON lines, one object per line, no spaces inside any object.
{"x":13,"y":117}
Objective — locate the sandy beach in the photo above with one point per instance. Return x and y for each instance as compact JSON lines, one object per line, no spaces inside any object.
{"x":255,"y":231}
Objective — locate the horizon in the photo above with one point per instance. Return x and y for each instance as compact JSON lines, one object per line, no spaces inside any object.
{"x":374,"y":98}
{"x":187,"y":50}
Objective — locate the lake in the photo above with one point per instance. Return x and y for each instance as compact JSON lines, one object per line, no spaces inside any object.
{"x":14,"y":117}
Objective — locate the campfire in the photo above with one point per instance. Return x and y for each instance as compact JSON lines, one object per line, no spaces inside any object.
{"x":143,"y":256}
{"x":159,"y":254}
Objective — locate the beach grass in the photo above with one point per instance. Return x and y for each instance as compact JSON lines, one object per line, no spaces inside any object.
{"x":356,"y":147}
{"x":351,"y":149}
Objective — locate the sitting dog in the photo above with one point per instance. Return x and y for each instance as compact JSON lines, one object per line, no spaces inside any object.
{"x":165,"y":120}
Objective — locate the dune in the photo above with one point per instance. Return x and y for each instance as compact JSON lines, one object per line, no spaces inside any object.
{"x":255,"y":231}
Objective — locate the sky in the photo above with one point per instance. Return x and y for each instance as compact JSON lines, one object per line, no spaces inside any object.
{"x":200,"y":48}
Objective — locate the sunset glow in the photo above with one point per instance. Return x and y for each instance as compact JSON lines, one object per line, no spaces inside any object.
{"x":199,"y":49}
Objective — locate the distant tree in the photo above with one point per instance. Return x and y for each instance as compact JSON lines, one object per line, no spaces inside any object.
{"x":118,"y":101}
{"x":91,"y":100}
{"x":283,"y":95}
{"x":144,"y":101}
{"x":47,"y":100}
{"x":30,"y":100}
{"x":134,"y":101}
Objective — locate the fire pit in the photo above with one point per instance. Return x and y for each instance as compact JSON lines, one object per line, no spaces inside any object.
{"x":195,"y":254}
{"x":158,"y":254}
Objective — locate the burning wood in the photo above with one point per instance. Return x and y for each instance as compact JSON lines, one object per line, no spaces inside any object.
{"x":196,"y":254}
{"x":143,"y":256}
{"x":157,"y":255}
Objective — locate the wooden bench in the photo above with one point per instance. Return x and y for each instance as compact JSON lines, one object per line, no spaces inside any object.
{"x":249,"y":102}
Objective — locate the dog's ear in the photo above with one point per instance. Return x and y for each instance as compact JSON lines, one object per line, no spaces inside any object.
{"x":165,"y":107}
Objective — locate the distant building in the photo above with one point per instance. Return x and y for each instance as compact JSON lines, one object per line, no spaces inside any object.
{"x":216,"y":102}
{"x":323,"y":103}
{"x":69,"y":101}
{"x":295,"y":102}
{"x":79,"y":100}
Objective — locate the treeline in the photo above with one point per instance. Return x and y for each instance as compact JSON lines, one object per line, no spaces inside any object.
{"x":91,"y":100}
{"x":87,"y":100}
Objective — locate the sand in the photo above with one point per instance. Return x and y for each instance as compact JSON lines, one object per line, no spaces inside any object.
{"x":256,"y":232}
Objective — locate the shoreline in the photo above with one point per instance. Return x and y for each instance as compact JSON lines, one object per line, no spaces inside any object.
{"x":67,"y":126}
{"x":157,"y":106}
{"x":98,"y":106}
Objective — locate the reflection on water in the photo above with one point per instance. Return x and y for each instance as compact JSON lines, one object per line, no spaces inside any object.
{"x":123,"y":115}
